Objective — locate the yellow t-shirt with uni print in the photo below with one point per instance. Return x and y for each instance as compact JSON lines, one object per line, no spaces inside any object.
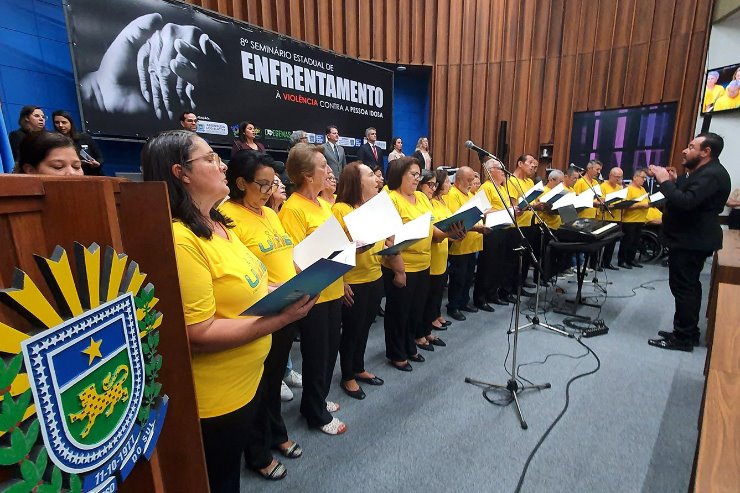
{"x":300,"y":217}
{"x":418,"y":256}
{"x":438,"y":266}
{"x":473,"y":242}
{"x":367,"y":264}
{"x":265,"y":237}
{"x":221,"y":278}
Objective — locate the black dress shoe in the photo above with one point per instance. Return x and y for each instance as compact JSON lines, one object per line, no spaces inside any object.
{"x":417,"y":358}
{"x":611,"y":267}
{"x":485,"y":307}
{"x":469,"y":308}
{"x":404,"y":367}
{"x":673,"y":344}
{"x":511,"y":299}
{"x":599,"y":269}
{"x":358,"y":394}
{"x":446,"y":323}
{"x":370,"y":381}
{"x":635,"y":264}
{"x":425,"y":347}
{"x":624,"y":265}
{"x":437,"y":342}
{"x":528,"y":285}
{"x":667,"y":334}
{"x":456,"y":314}
{"x":434,"y":327}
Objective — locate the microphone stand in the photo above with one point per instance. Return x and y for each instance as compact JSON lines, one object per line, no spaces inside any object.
{"x":513,"y":387}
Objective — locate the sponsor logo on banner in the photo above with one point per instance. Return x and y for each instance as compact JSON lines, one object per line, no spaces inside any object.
{"x":213,"y":128}
{"x":346,"y":141}
{"x":94,"y":406}
{"x":311,"y":138}
{"x":320,"y":139}
{"x":274,"y":134}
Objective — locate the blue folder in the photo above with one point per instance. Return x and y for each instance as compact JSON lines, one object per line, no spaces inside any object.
{"x":311,"y":281}
{"x":394,"y":249}
{"x":469,"y":218}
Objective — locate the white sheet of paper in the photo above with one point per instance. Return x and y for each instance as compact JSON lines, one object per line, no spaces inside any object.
{"x":641,"y":197}
{"x":620,"y":194}
{"x":375,"y":220}
{"x":547,"y":196}
{"x":348,"y":256}
{"x":498,"y":218}
{"x":479,"y":200}
{"x":325,"y":240}
{"x":531,"y":194}
{"x":656,"y":197}
{"x":564,"y":200}
{"x":415,"y":229}
{"x":597,"y":189}
{"x":584,"y":199}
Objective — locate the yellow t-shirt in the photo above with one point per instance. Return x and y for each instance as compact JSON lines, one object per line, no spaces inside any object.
{"x":725,"y":102}
{"x":440,"y":250}
{"x":473,"y":242}
{"x":265,"y":237}
{"x":654,"y":214}
{"x":616,"y":214}
{"x":418,"y":256}
{"x":552,"y":219}
{"x":300,"y":218}
{"x":493,"y":197}
{"x":221,"y":278}
{"x":635,"y":215}
{"x":367,"y":264}
{"x":580,"y":187}
{"x":710,"y":96}
{"x":517,"y":187}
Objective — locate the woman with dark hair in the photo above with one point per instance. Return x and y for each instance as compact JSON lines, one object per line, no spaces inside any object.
{"x":219,"y":279}
{"x":379,"y":175}
{"x":246,"y":140}
{"x":406,"y":283}
{"x":30,"y":120}
{"x":46,"y":153}
{"x":363,"y":286}
{"x":92,"y":158}
{"x":432,"y":316}
{"x":251,"y":181}
{"x":397,"y":152}
{"x":301,"y":214}
{"x":278,"y":197}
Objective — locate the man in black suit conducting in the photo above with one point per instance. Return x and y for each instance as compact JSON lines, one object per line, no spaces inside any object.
{"x":691,"y":231}
{"x":369,"y":153}
{"x":333,"y":152}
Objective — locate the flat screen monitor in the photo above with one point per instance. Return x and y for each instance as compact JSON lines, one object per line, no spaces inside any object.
{"x":721,"y":89}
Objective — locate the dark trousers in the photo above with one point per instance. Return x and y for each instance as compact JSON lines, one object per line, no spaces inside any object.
{"x":630,"y":242}
{"x":510,"y":262}
{"x":606,"y":257}
{"x":433,"y":304}
{"x":225,"y":439}
{"x":462,"y":269}
{"x":684,"y":268}
{"x":356,"y":321}
{"x":491,"y":268}
{"x":403,"y":309}
{"x":269,"y":426}
{"x":532,"y":234}
{"x":320,"y":334}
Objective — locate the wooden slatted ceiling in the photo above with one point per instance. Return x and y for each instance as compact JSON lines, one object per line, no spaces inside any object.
{"x":532,"y":63}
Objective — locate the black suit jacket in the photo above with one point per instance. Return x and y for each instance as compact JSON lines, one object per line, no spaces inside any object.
{"x":365,"y":154}
{"x":692,"y":208}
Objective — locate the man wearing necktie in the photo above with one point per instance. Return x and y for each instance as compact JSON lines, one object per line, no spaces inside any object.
{"x":334,"y":153}
{"x":369,"y":153}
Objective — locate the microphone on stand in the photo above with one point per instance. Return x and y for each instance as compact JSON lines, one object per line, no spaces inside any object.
{"x":577,"y":167}
{"x":482,"y":152}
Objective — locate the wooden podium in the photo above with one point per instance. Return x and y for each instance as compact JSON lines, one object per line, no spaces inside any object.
{"x":38,"y":213}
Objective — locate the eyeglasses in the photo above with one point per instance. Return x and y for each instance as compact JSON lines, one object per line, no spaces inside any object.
{"x":212,"y":157}
{"x":266,"y":187}
{"x":431,"y":184}
{"x":415,"y":175}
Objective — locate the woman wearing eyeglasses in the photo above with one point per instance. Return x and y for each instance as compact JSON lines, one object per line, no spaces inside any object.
{"x":251,"y":179}
{"x":301,"y":214}
{"x":406,"y":282}
{"x":219,"y":278}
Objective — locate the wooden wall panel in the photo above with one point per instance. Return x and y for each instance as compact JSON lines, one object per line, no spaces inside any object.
{"x":529,"y":62}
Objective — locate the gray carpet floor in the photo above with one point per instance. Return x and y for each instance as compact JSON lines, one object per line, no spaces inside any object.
{"x":631,"y":427}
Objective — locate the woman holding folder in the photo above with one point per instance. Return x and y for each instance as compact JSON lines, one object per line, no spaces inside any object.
{"x":219,"y":279}
{"x":301,"y":215}
{"x":251,"y":179}
{"x":432,"y":316}
{"x":363,"y":286}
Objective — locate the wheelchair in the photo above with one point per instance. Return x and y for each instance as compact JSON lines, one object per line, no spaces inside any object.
{"x":651,"y":248}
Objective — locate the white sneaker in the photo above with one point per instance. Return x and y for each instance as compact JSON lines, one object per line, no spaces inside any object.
{"x":294,"y":379}
{"x":285,"y":393}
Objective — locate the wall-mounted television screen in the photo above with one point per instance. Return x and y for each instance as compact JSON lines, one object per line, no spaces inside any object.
{"x":721,"y":89}
{"x":629,"y":138}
